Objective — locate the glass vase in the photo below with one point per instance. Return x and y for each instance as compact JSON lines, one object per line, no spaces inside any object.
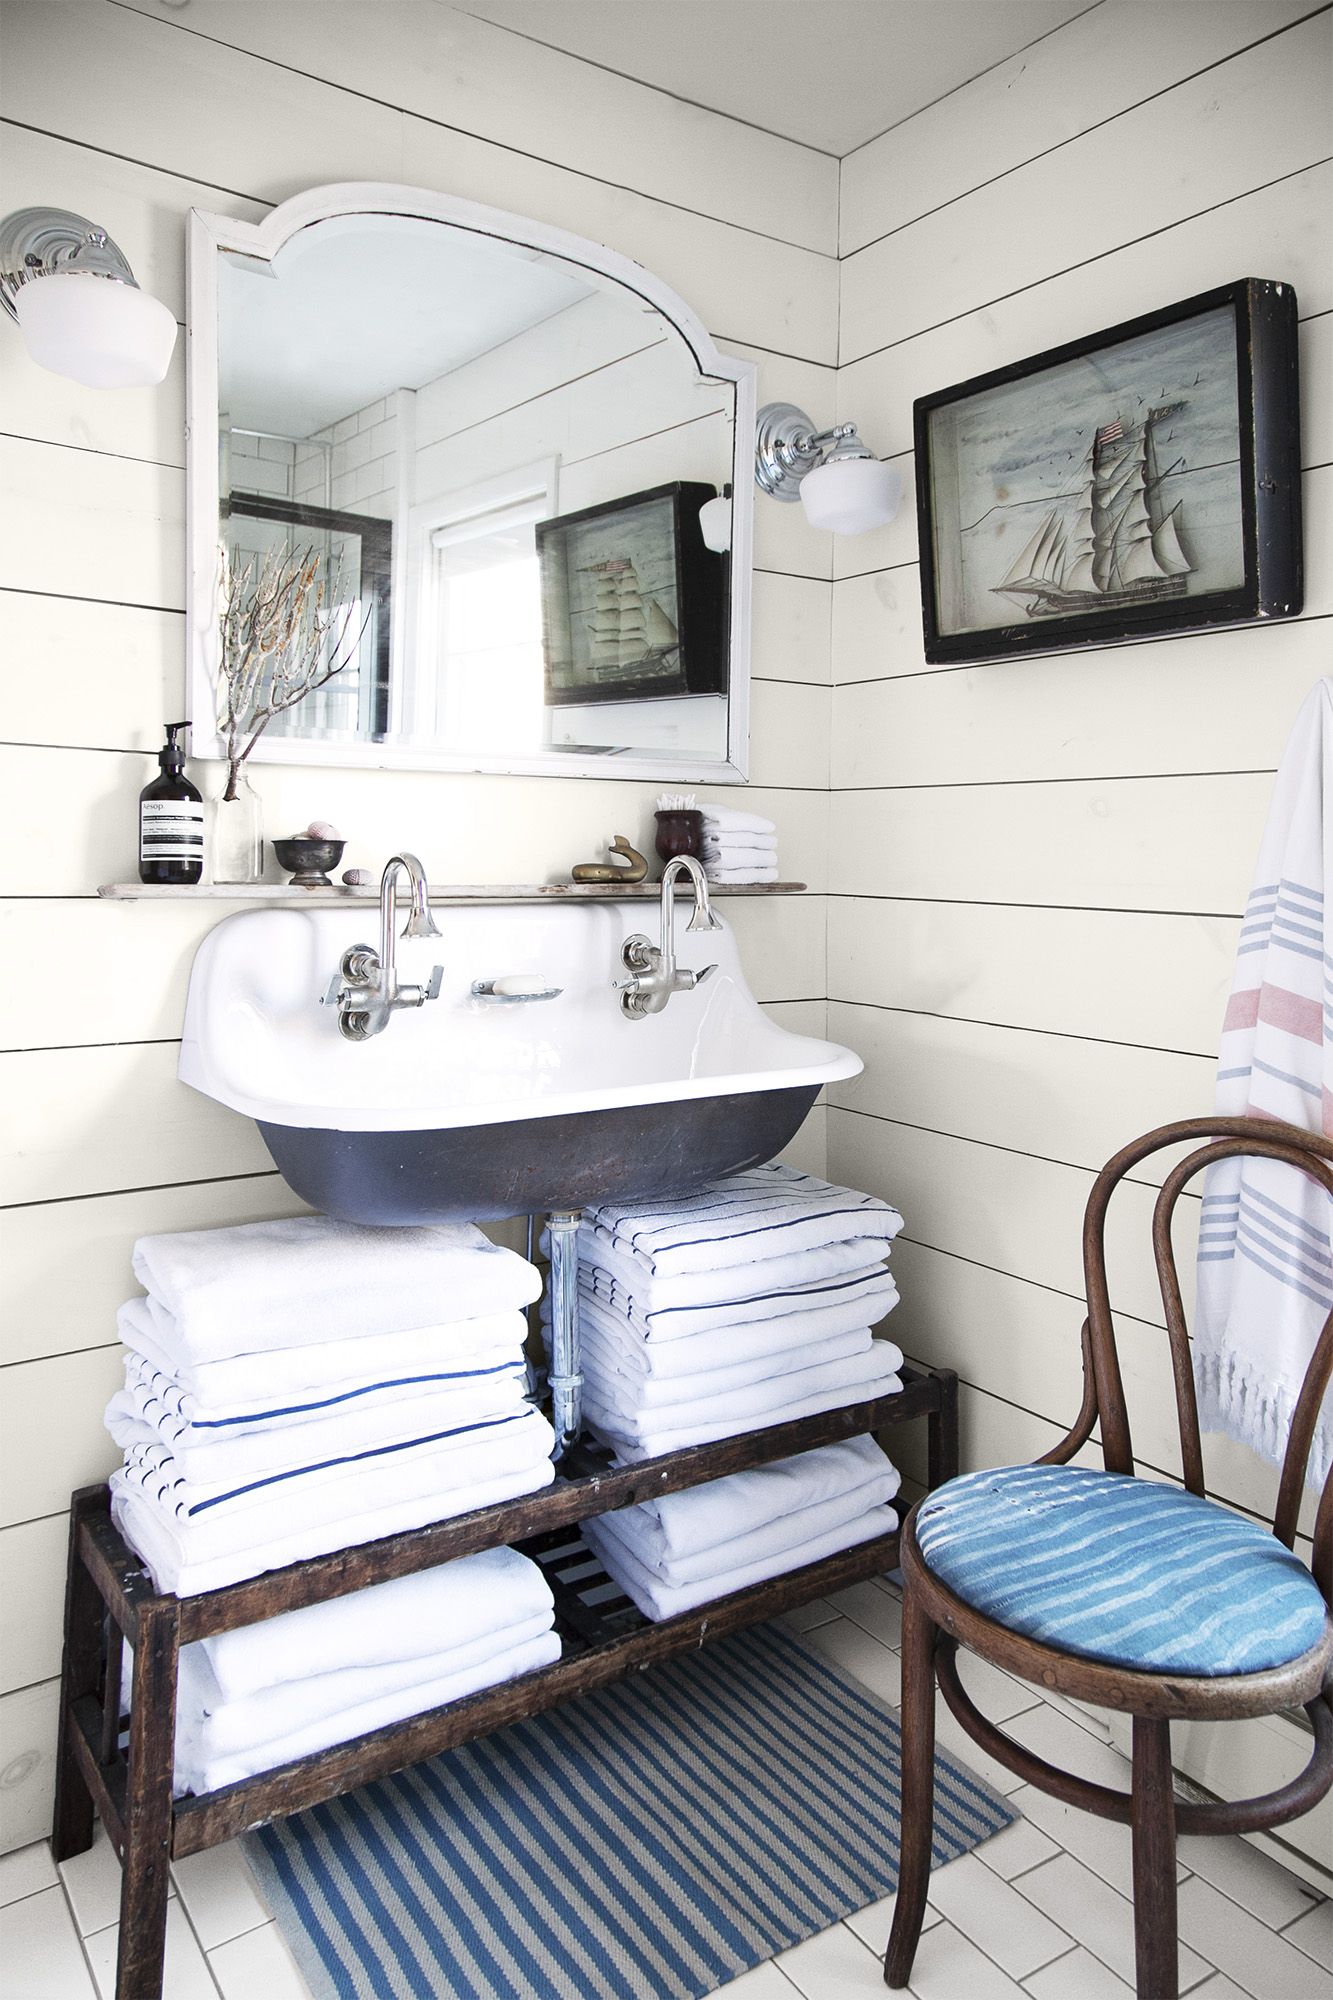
{"x":238,"y":833}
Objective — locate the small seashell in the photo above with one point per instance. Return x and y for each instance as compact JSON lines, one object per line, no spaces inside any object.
{"x":321,"y":829}
{"x":358,"y":878}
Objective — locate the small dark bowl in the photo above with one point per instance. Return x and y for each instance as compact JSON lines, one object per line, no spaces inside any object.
{"x":309,"y":860}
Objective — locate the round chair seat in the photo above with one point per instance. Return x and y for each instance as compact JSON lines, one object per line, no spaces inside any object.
{"x":1120,"y":1570}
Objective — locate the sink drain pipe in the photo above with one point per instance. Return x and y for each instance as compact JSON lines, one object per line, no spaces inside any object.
{"x":566,"y":1382}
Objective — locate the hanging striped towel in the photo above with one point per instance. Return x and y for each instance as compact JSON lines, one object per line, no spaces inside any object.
{"x":1265,"y":1270}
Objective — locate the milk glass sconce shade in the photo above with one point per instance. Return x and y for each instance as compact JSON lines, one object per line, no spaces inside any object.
{"x":77,"y":304}
{"x":838,"y":480}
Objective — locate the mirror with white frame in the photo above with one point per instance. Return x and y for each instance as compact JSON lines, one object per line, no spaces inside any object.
{"x":495,"y":441}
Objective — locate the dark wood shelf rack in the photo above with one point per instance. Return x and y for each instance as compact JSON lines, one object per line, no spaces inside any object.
{"x":124,"y":1774}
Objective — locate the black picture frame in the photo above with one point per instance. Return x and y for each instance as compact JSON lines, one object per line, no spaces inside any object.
{"x":1167,"y":543}
{"x":639,"y":566}
{"x":376,"y":579}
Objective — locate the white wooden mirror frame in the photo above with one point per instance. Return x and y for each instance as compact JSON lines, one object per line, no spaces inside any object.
{"x":210,"y":236}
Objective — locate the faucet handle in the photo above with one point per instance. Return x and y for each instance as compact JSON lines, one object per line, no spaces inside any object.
{"x":693,"y":980}
{"x":417,"y":996}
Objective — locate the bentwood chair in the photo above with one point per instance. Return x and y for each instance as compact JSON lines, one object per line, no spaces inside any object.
{"x":1126,"y":1593}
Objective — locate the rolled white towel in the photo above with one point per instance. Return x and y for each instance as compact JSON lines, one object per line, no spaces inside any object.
{"x":432,"y":1612}
{"x":872,"y":1289}
{"x":307,"y":1278}
{"x":257,"y":1385}
{"x":668,"y":1533}
{"x":658,"y":1600}
{"x":199,"y":1771}
{"x":729,"y":819}
{"x":772,"y":1537}
{"x":761,"y":1212}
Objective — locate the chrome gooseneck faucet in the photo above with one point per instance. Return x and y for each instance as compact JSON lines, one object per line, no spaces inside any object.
{"x":654,"y":974}
{"x":365,"y":987}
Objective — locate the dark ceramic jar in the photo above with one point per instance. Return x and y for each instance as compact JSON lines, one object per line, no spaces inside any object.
{"x":680,"y":833}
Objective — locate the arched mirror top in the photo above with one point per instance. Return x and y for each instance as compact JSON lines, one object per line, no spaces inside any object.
{"x":487,"y":447}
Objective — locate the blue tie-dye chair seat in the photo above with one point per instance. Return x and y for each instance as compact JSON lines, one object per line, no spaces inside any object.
{"x":1121,"y":1570}
{"x":1129,"y":1594}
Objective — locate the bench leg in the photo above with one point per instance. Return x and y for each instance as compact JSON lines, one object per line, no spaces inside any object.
{"x":145,"y":1866}
{"x":942,"y":1431}
{"x":80,"y":1668}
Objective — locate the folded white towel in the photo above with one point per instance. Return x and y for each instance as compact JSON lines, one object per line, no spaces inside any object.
{"x":430,"y":1612}
{"x":659,"y":1294}
{"x":601,"y":1364}
{"x":258,"y":1386}
{"x":742,"y":1218}
{"x":211,"y":1460}
{"x":613,"y":1401}
{"x":185,"y":1558}
{"x":728,"y":819}
{"x":683,"y":1527}
{"x":308,"y":1278}
{"x":742,"y":871}
{"x":789,"y":1531}
{"x":197,"y":1770}
{"x":870,"y":1290}
{"x":219,"y":1726}
{"x":737,"y":846}
{"x":658,"y":1600}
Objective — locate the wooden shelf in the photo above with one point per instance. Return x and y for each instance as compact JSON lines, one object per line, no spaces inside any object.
{"x":456,"y":895}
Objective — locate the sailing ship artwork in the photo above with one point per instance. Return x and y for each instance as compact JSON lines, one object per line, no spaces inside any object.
{"x":1105,"y":486}
{"x":629,"y":630}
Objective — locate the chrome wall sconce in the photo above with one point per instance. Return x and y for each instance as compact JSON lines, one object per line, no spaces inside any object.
{"x":78,"y":304}
{"x":838,"y":480}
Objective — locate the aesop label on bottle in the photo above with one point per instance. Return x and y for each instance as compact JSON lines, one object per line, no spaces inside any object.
{"x":171,"y":830}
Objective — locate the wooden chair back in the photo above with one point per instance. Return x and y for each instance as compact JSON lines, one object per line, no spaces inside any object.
{"x":1104,"y":1399}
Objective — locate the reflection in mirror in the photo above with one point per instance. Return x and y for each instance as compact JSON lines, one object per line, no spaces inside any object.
{"x":505,"y":452}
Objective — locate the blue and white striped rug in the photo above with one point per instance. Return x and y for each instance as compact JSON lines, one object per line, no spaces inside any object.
{"x":647,"y":1842}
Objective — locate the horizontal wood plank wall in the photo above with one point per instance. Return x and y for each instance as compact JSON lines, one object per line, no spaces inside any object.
{"x":1037,"y":868}
{"x":132,"y":115}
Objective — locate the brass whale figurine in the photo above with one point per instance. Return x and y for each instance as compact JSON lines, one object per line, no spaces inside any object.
{"x":631,"y":867}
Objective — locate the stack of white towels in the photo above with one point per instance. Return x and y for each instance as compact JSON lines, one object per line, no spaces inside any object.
{"x":673,"y":1554}
{"x":745,"y":1305}
{"x":294,"y":1387}
{"x":265,"y":1694}
{"x":739,"y":846}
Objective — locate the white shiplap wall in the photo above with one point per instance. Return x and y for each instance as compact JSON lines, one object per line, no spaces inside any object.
{"x":131,"y":115}
{"x":1037,"y":867}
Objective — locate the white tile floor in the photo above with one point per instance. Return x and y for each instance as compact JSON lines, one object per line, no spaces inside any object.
{"x":1038,"y":1913}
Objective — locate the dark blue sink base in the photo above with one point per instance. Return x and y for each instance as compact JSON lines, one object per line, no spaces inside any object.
{"x":529,"y":1166}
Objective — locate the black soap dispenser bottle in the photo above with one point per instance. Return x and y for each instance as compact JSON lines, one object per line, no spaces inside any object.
{"x":171,"y":820}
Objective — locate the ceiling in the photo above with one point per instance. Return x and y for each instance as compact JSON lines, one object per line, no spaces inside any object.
{"x":830,"y":73}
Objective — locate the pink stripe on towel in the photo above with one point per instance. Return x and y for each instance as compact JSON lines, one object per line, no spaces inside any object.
{"x":1279,"y":1007}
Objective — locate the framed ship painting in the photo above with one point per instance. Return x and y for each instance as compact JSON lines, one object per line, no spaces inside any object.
{"x":1142,"y":480}
{"x":634,"y":604}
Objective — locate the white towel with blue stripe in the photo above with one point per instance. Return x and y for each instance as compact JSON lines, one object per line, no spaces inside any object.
{"x":307,"y":1278}
{"x":705,"y":1530}
{"x":245,"y":1388}
{"x":764,"y":1212}
{"x":191,"y":1544}
{"x":602,"y":1359}
{"x":658,"y":1599}
{"x":211,"y":1458}
{"x":1265,"y":1272}
{"x":665,"y":1292}
{"x":455,"y":1605}
{"x":755,"y":1306}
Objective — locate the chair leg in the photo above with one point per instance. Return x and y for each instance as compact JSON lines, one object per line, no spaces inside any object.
{"x":145,"y":1878}
{"x":916,"y":1835}
{"x":1154,"y":1823}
